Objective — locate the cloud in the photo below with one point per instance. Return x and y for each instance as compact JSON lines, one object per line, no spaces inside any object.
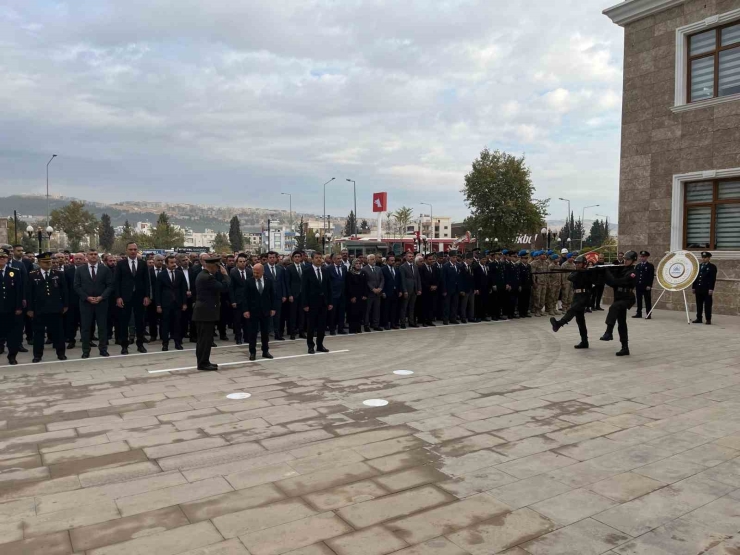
{"x":233,"y":102}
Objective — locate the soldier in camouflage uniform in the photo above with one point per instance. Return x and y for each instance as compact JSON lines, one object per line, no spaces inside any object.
{"x":566,"y":287}
{"x":554,"y":280}
{"x":539,"y":289}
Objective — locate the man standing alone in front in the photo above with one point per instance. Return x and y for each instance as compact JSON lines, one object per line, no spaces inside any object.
{"x":316,"y":302}
{"x":211,"y":282}
{"x":261,"y":305}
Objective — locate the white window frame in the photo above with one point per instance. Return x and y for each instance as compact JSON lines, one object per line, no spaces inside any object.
{"x":681,"y":103}
{"x":677,"y":208}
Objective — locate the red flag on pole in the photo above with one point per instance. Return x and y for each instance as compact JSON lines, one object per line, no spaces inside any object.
{"x":380,"y":202}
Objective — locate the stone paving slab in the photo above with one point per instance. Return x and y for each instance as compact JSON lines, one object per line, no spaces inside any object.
{"x":537,"y":449}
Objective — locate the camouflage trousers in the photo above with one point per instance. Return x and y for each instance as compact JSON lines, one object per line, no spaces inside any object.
{"x":567,"y":295}
{"x":539,"y":293}
{"x":551,"y":300}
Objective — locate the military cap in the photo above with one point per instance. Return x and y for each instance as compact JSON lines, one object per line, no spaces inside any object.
{"x":45,"y":256}
{"x":505,"y":251}
{"x":549,"y":252}
{"x":523,"y":252}
{"x":488,"y":252}
{"x":706,"y":254}
{"x":214,"y":259}
{"x":580,"y":259}
{"x":554,"y":256}
{"x":644,"y":253}
{"x":569,"y":255}
{"x":4,"y":253}
{"x":630,"y":255}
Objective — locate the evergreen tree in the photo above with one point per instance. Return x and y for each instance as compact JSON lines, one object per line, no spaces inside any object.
{"x":221,"y":243}
{"x":364,"y":227}
{"x":235,"y":235}
{"x":350,"y":224}
{"x":312,"y":242}
{"x":300,"y":236}
{"x":165,"y":235}
{"x":107,"y":234}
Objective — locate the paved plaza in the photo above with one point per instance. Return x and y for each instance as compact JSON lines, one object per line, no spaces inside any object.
{"x":503,"y":440}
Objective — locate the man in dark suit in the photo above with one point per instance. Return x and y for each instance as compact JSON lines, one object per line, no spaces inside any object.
{"x":169,"y":297}
{"x":482,"y":285}
{"x":451,"y":291}
{"x":153,"y":317}
{"x":338,"y":275}
{"x":294,"y":285}
{"x":132,"y":289}
{"x":275,"y":272}
{"x":375,"y":282}
{"x":261,"y":306}
{"x":703,"y":288}
{"x":316,"y":302}
{"x":93,"y":285}
{"x":393,"y":289}
{"x":188,"y":276}
{"x":429,"y":290}
{"x":25,"y":266}
{"x":412,"y":288}
{"x":238,"y":297}
{"x":211,"y":282}
{"x":47,"y":303}
{"x":11,"y":307}
{"x":645,"y":276}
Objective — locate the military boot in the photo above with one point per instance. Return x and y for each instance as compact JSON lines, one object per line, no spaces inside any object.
{"x":625,"y":350}
{"x":556,"y":325}
{"x":608,"y":336}
{"x":583,"y":344}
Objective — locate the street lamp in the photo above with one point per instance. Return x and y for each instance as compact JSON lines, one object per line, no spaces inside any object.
{"x":290,"y":205}
{"x":325,"y":184}
{"x":583,"y":223}
{"x":431,"y":224}
{"x":354,"y":187}
{"x":40,"y":234}
{"x":546,"y":232}
{"x":568,"y":201}
{"x":47,"y":187}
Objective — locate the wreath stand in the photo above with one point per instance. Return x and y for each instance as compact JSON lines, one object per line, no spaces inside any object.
{"x":685,"y":303}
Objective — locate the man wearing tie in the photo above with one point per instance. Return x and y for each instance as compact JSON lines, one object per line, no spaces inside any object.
{"x":412,"y":288}
{"x":261,"y":303}
{"x":276,"y":273}
{"x":429,"y":289}
{"x":188,"y":277}
{"x":169,"y":296}
{"x":294,"y":283}
{"x":451,"y":291}
{"x":392,"y":293}
{"x":11,"y":307}
{"x":375,"y":282}
{"x":337,"y":274}
{"x":316,"y":302}
{"x":153,"y":317}
{"x":238,"y":297}
{"x":47,"y":303}
{"x":93,"y":284}
{"x":132,"y":289}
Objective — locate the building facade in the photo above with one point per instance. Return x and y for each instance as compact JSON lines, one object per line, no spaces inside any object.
{"x":679,"y":185}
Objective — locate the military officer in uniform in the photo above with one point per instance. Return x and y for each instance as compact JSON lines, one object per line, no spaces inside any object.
{"x":623,"y":282}
{"x":703,"y":288}
{"x":11,"y":308}
{"x":581,"y":288}
{"x":211,"y":282}
{"x":645,"y":275}
{"x":525,"y":284}
{"x":48,"y":300}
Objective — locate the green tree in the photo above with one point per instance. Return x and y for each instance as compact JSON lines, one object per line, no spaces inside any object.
{"x":106,"y":233}
{"x":498,"y":190}
{"x":599,"y":233}
{"x":312,"y":242}
{"x":165,"y":235}
{"x":350,"y":224}
{"x":364,"y":227}
{"x":578,"y":234}
{"x":30,"y":244}
{"x":75,"y":221}
{"x":300,"y":235}
{"x":235,"y":235}
{"x":402,"y":217}
{"x":221,"y":243}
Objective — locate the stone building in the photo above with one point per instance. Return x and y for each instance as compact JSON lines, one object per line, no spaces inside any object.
{"x":679,"y":185}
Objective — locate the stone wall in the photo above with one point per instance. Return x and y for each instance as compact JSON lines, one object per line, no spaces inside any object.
{"x":656,"y":143}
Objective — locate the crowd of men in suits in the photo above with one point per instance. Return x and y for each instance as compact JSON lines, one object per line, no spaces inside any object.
{"x":135,"y":299}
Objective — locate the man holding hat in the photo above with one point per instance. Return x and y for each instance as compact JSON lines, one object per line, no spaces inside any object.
{"x":211,"y":282}
{"x":645,"y":276}
{"x":11,"y":307}
{"x":48,"y":300}
{"x":703,"y":288}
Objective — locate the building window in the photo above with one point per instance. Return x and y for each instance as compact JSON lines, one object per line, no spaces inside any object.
{"x":712,"y":215}
{"x":714,"y":63}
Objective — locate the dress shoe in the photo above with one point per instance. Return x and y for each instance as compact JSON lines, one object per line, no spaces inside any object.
{"x":638,"y":315}
{"x":281,"y":338}
{"x":104,"y":354}
{"x":94,"y":338}
{"x":214,"y":366}
{"x":387,"y":328}
{"x":11,"y":360}
{"x":302,"y":335}
{"x":48,"y":342}
{"x":62,"y":357}
{"x":224,"y":337}
{"x":292,"y":337}
{"x":709,"y":323}
{"x":2,"y":349}
{"x":85,"y":355}
{"x":424,"y":326}
{"x":165,"y":347}
{"x":311,"y":351}
{"x":141,"y":349}
{"x":606,"y":337}
{"x":403,"y":326}
{"x":367,"y":329}
{"x":252,"y":356}
{"x":36,"y":359}
{"x":124,"y":351}
{"x":697,"y":321}
{"x":71,"y":345}
{"x":582,"y":345}
{"x":267,"y":355}
{"x":93,"y":344}
{"x":413,"y":325}
{"x":394,"y":327}
{"x":344,"y":332}
{"x":322,"y":349}
{"x":649,"y":317}
{"x":207,"y":368}
{"x":22,"y":349}
{"x":432,"y":325}
{"x":332,"y":332}
{"x":239,"y":342}
{"x":445,"y":323}
{"x":378,"y":329}
{"x":178,"y":346}
{"x":213,"y":345}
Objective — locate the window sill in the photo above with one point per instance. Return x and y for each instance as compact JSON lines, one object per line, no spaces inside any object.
{"x":704,"y":103}
{"x":718,"y":255}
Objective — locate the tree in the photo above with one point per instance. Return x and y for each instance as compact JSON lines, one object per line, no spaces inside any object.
{"x":165,"y":235}
{"x":498,"y":190}
{"x":300,"y":236}
{"x":30,"y":244}
{"x":106,"y":233}
{"x":312,"y":242}
{"x":75,"y":221}
{"x":599,"y":233}
{"x":350,"y":224}
{"x":403,"y":217}
{"x":221,"y":243}
{"x":578,"y":233}
{"x":566,"y":232}
{"x":364,"y":227}
{"x":235,"y":235}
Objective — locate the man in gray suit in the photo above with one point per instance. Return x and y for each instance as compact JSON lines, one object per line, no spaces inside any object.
{"x":412,"y":280}
{"x":375,"y":282}
{"x":93,"y":283}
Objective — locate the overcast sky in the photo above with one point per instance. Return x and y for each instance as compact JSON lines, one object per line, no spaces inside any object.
{"x":235,"y":101}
